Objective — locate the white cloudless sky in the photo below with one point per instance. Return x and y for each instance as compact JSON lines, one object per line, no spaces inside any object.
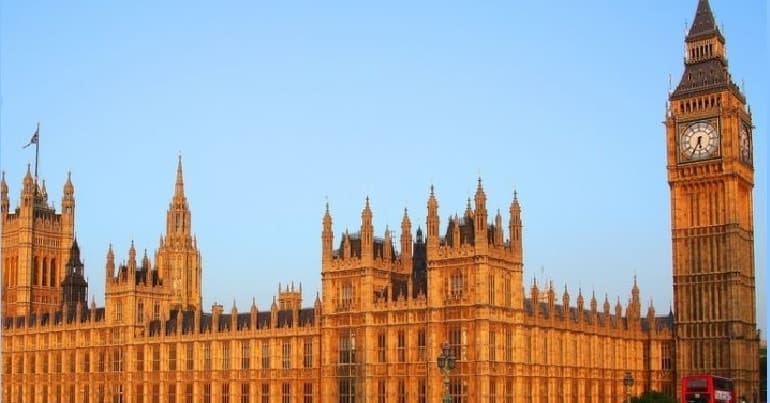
{"x":277,"y":107}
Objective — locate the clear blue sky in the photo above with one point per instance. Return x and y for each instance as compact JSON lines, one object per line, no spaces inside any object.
{"x":276,"y":106}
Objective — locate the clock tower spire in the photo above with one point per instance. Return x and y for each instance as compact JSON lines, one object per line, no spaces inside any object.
{"x":711,"y":178}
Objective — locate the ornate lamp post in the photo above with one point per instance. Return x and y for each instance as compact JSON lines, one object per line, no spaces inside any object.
{"x":446,"y":363}
{"x":628,"y":382}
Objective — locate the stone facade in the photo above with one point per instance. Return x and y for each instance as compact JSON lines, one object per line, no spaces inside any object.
{"x":382,"y":322}
{"x":384,"y":313}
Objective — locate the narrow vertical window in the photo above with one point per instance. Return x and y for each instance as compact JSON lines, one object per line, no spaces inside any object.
{"x":286,"y":354}
{"x":307,"y":360}
{"x":265,"y":355}
{"x":245,"y":355}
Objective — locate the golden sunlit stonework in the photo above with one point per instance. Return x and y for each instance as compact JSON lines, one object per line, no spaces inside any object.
{"x":384,"y":313}
{"x":711,"y":175}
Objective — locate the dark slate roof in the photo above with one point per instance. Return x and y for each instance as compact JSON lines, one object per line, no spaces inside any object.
{"x":263,"y":319}
{"x":188,"y":322}
{"x":707,"y":75}
{"x":306,"y":316}
{"x":155,"y":327}
{"x":243,"y":321}
{"x":45,"y":318}
{"x":143,"y":275}
{"x":703,"y":24}
{"x":355,"y":247}
{"x":661,"y":322}
{"x":74,"y":279}
{"x":467,"y":231}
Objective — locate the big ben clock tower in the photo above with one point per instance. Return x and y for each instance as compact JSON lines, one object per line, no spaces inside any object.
{"x":711,"y":176}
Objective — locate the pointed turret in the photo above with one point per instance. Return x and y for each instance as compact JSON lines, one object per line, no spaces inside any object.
{"x":651,"y":317}
{"x":406,"y":241}
{"x":498,"y":240}
{"x":179,"y":187}
{"x":68,"y":210}
{"x":387,"y":246}
{"x":551,"y":299}
{"x":109,"y":266}
{"x":132,"y":258}
{"x":565,"y":300}
{"x":634,"y":310}
{"x":367,"y":232}
{"x":3,"y":185}
{"x":468,"y":209}
{"x":74,"y":260}
{"x":178,"y":216}
{"x":177,"y":260}
{"x":29,"y":181}
{"x":480,"y":216}
{"x":92,"y":310}
{"x":69,"y":188}
{"x":43,"y":190}
{"x":5,"y":203}
{"x":327,"y":237}
{"x":535,"y":296}
{"x":515,"y":227}
{"x":347,"y":250}
{"x":74,"y":285}
{"x":580,"y":305}
{"x":432,"y":222}
{"x":253,"y":314}
{"x":454,"y":224}
{"x":234,"y":317}
{"x":146,"y":262}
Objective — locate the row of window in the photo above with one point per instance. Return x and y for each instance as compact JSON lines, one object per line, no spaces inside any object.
{"x":455,"y":287}
{"x":177,"y":358}
{"x":347,"y":347}
{"x":183,"y":393}
{"x":44,"y":272}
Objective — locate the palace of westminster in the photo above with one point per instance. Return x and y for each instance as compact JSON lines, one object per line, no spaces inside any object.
{"x":385,"y":313}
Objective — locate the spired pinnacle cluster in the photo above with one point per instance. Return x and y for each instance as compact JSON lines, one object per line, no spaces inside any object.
{"x":384,"y":315}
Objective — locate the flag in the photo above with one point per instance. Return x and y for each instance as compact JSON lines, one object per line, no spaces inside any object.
{"x":35,"y":137}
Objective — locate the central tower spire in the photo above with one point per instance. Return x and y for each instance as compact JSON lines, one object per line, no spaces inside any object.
{"x":178,"y":258}
{"x":179,"y":191}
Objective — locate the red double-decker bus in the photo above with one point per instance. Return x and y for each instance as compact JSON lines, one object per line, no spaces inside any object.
{"x":707,"y":389}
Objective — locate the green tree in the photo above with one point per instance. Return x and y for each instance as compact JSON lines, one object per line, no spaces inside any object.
{"x":652,"y":397}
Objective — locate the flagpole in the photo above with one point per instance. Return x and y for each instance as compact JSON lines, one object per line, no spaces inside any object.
{"x":37,"y":149}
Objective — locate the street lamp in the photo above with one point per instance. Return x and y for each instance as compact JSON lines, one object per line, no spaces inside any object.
{"x":446,"y":362}
{"x":628,"y":382}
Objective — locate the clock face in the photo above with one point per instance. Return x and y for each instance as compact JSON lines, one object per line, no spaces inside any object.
{"x":700,"y":140}
{"x":745,"y":143}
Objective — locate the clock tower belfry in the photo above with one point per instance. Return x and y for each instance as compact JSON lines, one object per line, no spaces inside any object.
{"x":711,"y":177}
